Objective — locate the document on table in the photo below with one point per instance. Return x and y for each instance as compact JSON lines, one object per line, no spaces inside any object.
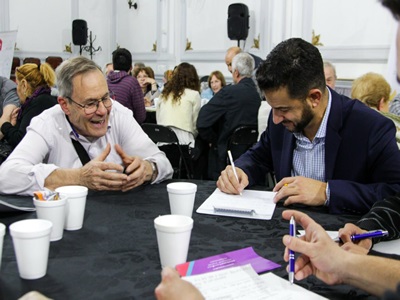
{"x":252,"y":205}
{"x":243,"y":283}
{"x":389,"y":247}
{"x":10,"y":204}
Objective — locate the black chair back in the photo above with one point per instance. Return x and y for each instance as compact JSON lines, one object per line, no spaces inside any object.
{"x":242,"y":138}
{"x":177,"y":154}
{"x":160,"y":134}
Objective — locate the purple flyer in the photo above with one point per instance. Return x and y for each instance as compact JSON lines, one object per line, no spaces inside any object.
{"x":227,"y":260}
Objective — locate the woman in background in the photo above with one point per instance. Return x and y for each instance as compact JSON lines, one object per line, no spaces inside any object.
{"x":373,"y":90}
{"x":146,"y":79}
{"x":216,"y":81}
{"x":34,"y":91}
{"x":179,"y":103}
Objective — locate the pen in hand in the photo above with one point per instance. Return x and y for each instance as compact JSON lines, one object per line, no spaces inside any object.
{"x":365,"y":235}
{"x":233,"y":167}
{"x":292,"y":232}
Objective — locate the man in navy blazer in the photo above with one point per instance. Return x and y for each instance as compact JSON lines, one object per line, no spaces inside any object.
{"x":324,"y":148}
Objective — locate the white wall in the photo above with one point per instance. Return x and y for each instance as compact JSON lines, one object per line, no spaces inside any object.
{"x":356,"y":34}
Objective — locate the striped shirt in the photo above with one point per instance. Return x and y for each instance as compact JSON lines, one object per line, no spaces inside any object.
{"x":309,"y":156}
{"x":128,"y":92}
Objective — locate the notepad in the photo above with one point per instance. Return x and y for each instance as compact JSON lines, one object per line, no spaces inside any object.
{"x":252,"y":205}
{"x":242,"y":282}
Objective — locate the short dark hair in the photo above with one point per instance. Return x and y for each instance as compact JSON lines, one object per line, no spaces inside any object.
{"x":122,"y":59}
{"x":294,"y":64}
{"x":394,"y":7}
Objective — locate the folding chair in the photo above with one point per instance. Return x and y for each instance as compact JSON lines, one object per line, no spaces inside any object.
{"x":242,"y":138}
{"x":173,"y":150}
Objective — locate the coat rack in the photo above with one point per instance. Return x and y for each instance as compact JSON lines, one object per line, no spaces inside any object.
{"x":90,"y":48}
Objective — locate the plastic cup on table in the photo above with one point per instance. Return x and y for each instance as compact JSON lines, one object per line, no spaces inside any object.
{"x":54,"y":211}
{"x":75,"y":207}
{"x":181,"y":197}
{"x":31,"y":240}
{"x":173,"y":238}
{"x":2,"y":233}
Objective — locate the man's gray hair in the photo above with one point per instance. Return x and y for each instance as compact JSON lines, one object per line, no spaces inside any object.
{"x":330,"y":65}
{"x":69,"y":69}
{"x":244,"y":64}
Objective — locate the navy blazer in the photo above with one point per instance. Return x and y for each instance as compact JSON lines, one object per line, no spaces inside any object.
{"x":362,"y":159}
{"x":232,"y":106}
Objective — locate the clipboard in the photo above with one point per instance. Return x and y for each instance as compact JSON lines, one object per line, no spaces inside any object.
{"x":251,"y":205}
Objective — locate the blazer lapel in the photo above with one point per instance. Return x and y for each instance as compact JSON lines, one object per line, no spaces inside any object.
{"x":333,"y":138}
{"x":289,"y":142}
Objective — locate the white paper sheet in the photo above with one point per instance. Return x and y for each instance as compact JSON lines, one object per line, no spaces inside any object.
{"x":243,"y":283}
{"x":252,"y":204}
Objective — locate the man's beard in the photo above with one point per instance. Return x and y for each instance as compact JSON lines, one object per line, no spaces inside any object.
{"x":306,"y":117}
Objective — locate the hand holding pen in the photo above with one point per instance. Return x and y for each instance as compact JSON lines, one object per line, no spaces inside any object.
{"x":365,"y":235}
{"x":233,"y":168}
{"x":292,"y":232}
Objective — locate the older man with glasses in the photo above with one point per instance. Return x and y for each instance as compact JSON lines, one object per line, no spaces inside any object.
{"x":88,"y":139}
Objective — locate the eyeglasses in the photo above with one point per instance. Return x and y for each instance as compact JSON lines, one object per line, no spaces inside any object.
{"x":92,"y":106}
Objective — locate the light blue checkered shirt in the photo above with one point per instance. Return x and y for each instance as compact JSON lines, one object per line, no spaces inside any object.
{"x":309,"y":157}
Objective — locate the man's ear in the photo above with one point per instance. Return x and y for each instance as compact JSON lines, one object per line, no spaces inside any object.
{"x":315,"y":96}
{"x":64,"y":104}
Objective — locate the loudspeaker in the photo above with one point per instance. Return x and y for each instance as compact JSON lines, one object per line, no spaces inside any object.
{"x":238,"y":21}
{"x":79,"y":32}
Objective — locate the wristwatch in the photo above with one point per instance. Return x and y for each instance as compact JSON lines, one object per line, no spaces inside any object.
{"x":154,"y":170}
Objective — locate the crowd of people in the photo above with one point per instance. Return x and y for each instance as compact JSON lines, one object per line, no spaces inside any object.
{"x":325,"y":149}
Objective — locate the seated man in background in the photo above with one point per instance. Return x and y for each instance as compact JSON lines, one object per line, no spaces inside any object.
{"x":232,"y":106}
{"x":9,"y":99}
{"x":330,"y":74}
{"x":114,"y":152}
{"x":125,"y":87}
{"x":324,"y":148}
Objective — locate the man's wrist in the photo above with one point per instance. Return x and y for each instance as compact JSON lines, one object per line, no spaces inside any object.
{"x":154,"y":171}
{"x":328,"y":195}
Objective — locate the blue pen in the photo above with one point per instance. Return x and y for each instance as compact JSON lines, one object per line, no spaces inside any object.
{"x":365,"y":235}
{"x":292,"y":229}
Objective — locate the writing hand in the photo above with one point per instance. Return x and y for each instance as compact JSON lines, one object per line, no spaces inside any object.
{"x":300,"y":189}
{"x":228,"y":183}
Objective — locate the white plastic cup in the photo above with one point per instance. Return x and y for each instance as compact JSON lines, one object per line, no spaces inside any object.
{"x":173,"y":238}
{"x":2,"y":233}
{"x":181,"y":198}
{"x":53,"y":211}
{"x":75,"y":207}
{"x":31,"y":239}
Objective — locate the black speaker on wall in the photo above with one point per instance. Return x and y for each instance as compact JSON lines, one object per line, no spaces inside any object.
{"x":79,"y":32}
{"x":238,"y":21}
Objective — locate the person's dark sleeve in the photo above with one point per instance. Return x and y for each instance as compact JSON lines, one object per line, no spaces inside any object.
{"x":14,"y":134}
{"x":383,"y":215}
{"x":209,"y":115}
{"x":383,"y":165}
